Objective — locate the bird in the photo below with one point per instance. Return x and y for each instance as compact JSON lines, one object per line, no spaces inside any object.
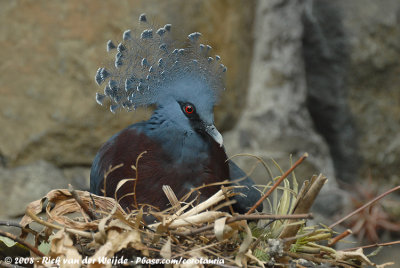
{"x":179,"y":145}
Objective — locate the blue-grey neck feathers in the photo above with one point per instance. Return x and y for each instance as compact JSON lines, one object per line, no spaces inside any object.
{"x":148,"y":68}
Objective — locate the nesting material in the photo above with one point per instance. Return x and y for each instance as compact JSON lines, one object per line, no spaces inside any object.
{"x":101,"y":228}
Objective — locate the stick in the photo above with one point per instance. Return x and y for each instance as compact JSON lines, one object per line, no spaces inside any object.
{"x":85,"y":208}
{"x":287,"y":173}
{"x":375,"y":245}
{"x":365,"y":206}
{"x":339,"y":237}
{"x":10,"y":224}
{"x":244,"y":217}
{"x":22,"y":242}
{"x":309,"y":257}
{"x":16,"y":224}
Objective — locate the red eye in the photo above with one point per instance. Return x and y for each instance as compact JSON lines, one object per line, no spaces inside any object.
{"x":189,"y":109}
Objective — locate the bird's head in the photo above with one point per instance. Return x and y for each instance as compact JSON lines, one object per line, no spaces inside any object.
{"x":184,"y":83}
{"x":190,"y":106}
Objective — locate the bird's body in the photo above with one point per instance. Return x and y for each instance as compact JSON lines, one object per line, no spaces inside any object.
{"x":181,"y":167}
{"x":179,"y":145}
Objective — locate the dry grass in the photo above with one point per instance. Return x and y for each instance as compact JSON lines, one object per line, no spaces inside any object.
{"x":103,"y":229}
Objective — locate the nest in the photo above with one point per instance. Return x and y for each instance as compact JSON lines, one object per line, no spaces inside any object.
{"x":84,"y":230}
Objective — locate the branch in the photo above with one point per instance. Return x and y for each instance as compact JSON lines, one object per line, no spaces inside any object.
{"x":311,"y":258}
{"x":336,"y":239}
{"x":85,"y":208}
{"x":16,"y":224}
{"x":10,"y":224}
{"x":22,"y":242}
{"x":245,"y":217}
{"x":375,"y":245}
{"x":298,"y":162}
{"x":365,"y":206}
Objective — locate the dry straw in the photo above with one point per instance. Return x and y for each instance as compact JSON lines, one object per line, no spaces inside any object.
{"x":78,"y":224}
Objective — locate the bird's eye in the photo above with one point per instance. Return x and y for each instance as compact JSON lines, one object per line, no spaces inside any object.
{"x":188,"y":109}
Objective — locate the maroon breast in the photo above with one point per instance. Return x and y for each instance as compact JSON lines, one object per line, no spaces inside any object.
{"x":154,"y":169}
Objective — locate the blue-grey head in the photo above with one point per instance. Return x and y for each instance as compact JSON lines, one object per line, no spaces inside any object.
{"x":184,"y":83}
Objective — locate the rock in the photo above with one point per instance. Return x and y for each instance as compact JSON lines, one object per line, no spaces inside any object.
{"x":326,"y":83}
{"x":78,"y":177}
{"x":25,"y":184}
{"x":276,"y":122}
{"x":326,"y":58}
{"x":351,"y":50}
{"x":51,"y":52}
{"x":374,"y":91}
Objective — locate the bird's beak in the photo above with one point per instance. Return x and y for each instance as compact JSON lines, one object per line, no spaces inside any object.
{"x":214,"y":133}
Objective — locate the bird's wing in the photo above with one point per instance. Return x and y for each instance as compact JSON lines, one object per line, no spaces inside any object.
{"x":251,"y":194}
{"x":126,"y":144}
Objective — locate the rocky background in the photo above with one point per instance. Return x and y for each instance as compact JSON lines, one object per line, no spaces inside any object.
{"x":319,"y":76}
{"x":51,"y":51}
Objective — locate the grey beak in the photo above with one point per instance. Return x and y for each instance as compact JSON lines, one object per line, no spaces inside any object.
{"x":214,"y":133}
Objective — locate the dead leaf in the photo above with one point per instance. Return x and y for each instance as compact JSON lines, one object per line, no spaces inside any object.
{"x":63,"y":247}
{"x":116,"y":241}
{"x":352,"y":255}
{"x":166,"y":250}
{"x":240,"y":257}
{"x":65,"y":204}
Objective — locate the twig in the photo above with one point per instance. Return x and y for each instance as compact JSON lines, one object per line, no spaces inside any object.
{"x":339,"y":237}
{"x":16,"y":224}
{"x":137,"y":178}
{"x":311,"y":258}
{"x":375,"y":245}
{"x":258,"y":240}
{"x":195,"y":249}
{"x":269,"y":216}
{"x":244,"y":217}
{"x":85,"y":208}
{"x":22,"y":242}
{"x":365,"y":206}
{"x":110,"y":169}
{"x":287,"y":173}
{"x":224,"y":190}
{"x":10,"y":224}
{"x":292,"y":238}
